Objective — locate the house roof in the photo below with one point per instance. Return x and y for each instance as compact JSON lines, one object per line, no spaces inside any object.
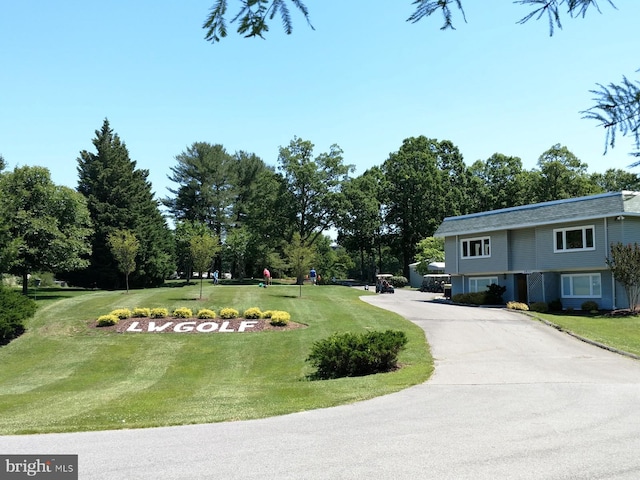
{"x":546,"y":213}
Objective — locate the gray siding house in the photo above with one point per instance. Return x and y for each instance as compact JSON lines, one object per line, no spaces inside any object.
{"x":545,"y":251}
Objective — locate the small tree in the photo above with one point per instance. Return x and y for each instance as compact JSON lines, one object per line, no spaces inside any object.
{"x":124,"y":247}
{"x":299,"y":257}
{"x":203,"y":249}
{"x":430,"y":249}
{"x":624,"y":263}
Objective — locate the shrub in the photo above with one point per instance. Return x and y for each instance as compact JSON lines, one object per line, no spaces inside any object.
{"x":555,"y":306}
{"x":253,"y":312}
{"x":159,"y":313}
{"x":589,"y":306}
{"x":399,"y":281}
{"x":493,"y":295}
{"x":107,"y":320}
{"x":518,"y":306}
{"x":14,"y":309}
{"x":121,"y":313}
{"x":141,"y":312}
{"x":351,"y":355}
{"x":280,"y":318}
{"x":267,"y":314}
{"x":45,"y":279}
{"x":541,"y":307}
{"x":229,"y":313}
{"x":206,"y":313}
{"x":182,"y":312}
{"x":476,"y":298}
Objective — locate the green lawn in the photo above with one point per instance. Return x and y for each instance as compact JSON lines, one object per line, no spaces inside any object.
{"x":622,"y":333}
{"x":63,"y":375}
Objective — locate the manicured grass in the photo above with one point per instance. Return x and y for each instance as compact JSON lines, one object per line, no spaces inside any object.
{"x":622,"y":333}
{"x":63,"y":375}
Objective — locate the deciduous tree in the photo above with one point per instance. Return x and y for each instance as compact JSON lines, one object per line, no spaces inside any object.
{"x":312,"y":188}
{"x":47,"y":227}
{"x":624,"y":263}
{"x":124,"y":247}
{"x":426,"y":181}
{"x":430,"y":249}
{"x":203,"y":249}
{"x":561,"y":175}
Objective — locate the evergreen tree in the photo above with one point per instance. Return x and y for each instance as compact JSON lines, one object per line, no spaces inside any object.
{"x":119,"y":197}
{"x":204,"y":173}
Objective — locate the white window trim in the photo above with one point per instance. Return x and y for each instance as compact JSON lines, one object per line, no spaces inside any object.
{"x":467,"y":240}
{"x":572,"y":276}
{"x":475,"y":280}
{"x":564,"y":231}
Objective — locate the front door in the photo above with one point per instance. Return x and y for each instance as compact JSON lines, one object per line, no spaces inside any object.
{"x":523,"y":291}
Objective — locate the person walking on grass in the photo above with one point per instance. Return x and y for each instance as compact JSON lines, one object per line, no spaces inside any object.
{"x":267,"y":276}
{"x":313,"y":276}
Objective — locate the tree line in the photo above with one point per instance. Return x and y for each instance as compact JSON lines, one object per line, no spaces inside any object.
{"x":232,"y":212}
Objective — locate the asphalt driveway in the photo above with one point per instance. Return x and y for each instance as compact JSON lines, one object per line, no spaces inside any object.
{"x":510,"y":399}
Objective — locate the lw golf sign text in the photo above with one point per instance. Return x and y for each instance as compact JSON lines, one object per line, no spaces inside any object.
{"x":190,"y":327}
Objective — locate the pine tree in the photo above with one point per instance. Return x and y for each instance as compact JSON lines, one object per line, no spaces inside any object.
{"x":119,"y":197}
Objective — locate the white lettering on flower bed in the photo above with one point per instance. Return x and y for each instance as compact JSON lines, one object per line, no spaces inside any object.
{"x":244,"y":325}
{"x":190,"y":326}
{"x":159,"y":328}
{"x":207,"y":327}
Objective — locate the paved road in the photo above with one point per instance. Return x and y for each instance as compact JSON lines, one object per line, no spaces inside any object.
{"x":510,"y":399}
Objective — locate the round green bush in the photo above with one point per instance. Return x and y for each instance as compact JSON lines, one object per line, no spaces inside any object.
{"x":351,"y":355}
{"x":540,"y":307}
{"x":15,"y":308}
{"x":399,"y":281}
{"x":589,"y":306}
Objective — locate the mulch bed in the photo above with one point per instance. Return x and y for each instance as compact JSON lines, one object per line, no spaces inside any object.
{"x":230,"y":324}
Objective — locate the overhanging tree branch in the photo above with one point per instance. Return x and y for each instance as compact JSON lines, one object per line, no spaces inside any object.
{"x":617,"y":109}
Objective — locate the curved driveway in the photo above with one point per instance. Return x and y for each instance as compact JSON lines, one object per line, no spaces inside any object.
{"x":510,"y":399}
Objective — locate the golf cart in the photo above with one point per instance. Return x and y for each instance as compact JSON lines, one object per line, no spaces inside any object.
{"x":383,"y":284}
{"x":435,"y":282}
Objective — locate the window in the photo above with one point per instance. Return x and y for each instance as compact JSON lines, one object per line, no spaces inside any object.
{"x":582,"y":285}
{"x":480,"y":284}
{"x":476,"y":247}
{"x":574,"y":239}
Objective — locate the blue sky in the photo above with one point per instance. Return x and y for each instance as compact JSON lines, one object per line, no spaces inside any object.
{"x":364,"y":79}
